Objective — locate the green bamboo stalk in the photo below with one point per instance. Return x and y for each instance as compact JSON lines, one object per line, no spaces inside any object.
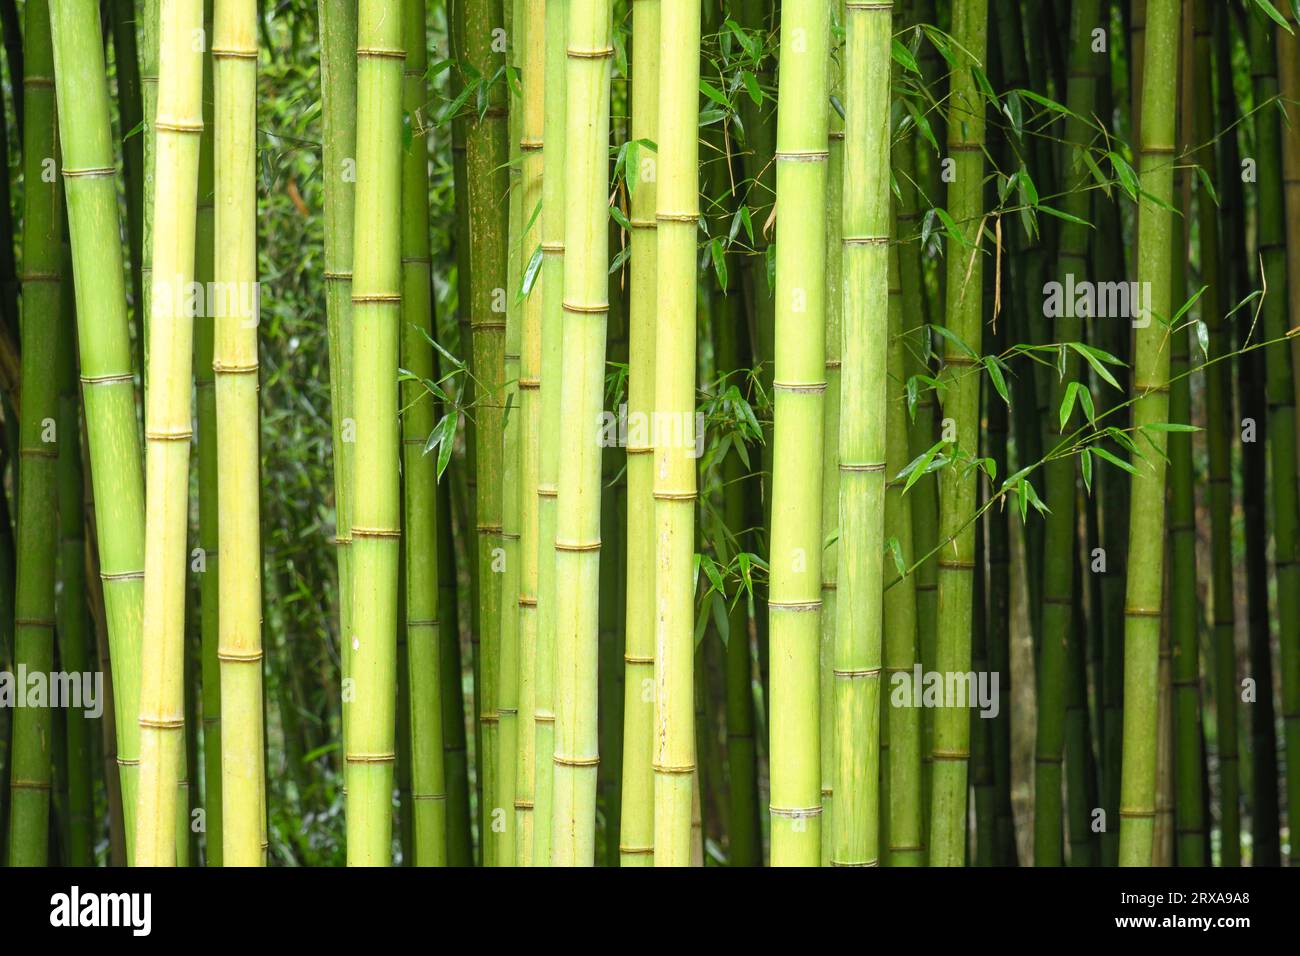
{"x":235,"y":369}
{"x":419,"y":470}
{"x":105,"y":349}
{"x":859,"y":637}
{"x":376,"y":303}
{"x":1059,"y":539}
{"x":1189,"y":841}
{"x":488,"y":174}
{"x":636,"y":835}
{"x":126,"y":68}
{"x":1143,"y":598}
{"x":178,"y":122}
{"x":460,"y":843}
{"x":964,"y":290}
{"x":149,"y":55}
{"x":1288,"y":77}
{"x":37,"y":540}
{"x":830,"y":449}
{"x":1279,"y":384}
{"x":552,"y":228}
{"x":71,"y":612}
{"x":205,"y":399}
{"x":577,"y":525}
{"x":902,"y":761}
{"x":799,"y":387}
{"x":533,"y":27}
{"x":338,"y":28}
{"x":507,"y":724}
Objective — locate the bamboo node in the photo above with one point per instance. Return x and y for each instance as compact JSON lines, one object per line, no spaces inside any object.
{"x":1128,"y":814}
{"x":636,"y":850}
{"x":868,"y":467}
{"x":960,"y":360}
{"x":359,"y":532}
{"x":370,"y":758}
{"x":639,"y":449}
{"x":564,"y":761}
{"x":875,"y":862}
{"x":954,"y":564}
{"x":675,"y":495}
{"x":177,"y":434}
{"x":597,"y":309}
{"x":868,"y":5}
{"x":673,"y":768}
{"x":378,"y":298}
{"x":809,"y":388}
{"x":528,"y":602}
{"x":634,"y":659}
{"x":435,"y":797}
{"x":113,"y":379}
{"x":380,"y":53}
{"x":88,"y":172}
{"x":178,"y":126}
{"x":856,"y":673}
{"x":529,"y":384}
{"x":38,"y":452}
{"x":34,"y":622}
{"x":334,"y":276}
{"x":950,"y":754}
{"x":239,"y":657}
{"x":512,"y":711}
{"x":677,"y":216}
{"x":34,"y":80}
{"x":40,"y":277}
{"x":162,"y":723}
{"x":540,"y":718}
{"x":795,"y":813}
{"x":488,"y":529}
{"x":552,"y":248}
{"x":416,"y":260}
{"x":547,"y":491}
{"x":422,"y":622}
{"x":121,"y":576}
{"x":529,"y":145}
{"x":233,"y":53}
{"x":125,"y":762}
{"x":799,"y":606}
{"x":643,"y":223}
{"x":523,"y":804}
{"x":802,"y":155}
{"x":597,"y":53}
{"x":1141,"y":612}
{"x":865,"y":240}
{"x":19,"y":784}
{"x":577,"y":546}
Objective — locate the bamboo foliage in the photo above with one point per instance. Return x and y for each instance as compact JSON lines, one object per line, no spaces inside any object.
{"x":964,"y":291}
{"x":577,"y":525}
{"x":178,"y":123}
{"x":799,"y":385}
{"x":108,"y":393}
{"x":858,"y":650}
{"x":376,"y":303}
{"x":674,"y":482}
{"x":37,"y":540}
{"x":636,"y":837}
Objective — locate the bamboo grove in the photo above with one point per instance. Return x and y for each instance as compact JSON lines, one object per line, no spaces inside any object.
{"x":650,"y":432}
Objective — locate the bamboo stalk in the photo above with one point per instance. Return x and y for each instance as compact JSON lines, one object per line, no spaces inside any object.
{"x":636,"y":835}
{"x":37,"y":540}
{"x":859,"y":631}
{"x":70,"y":603}
{"x":376,"y":303}
{"x":205,"y":399}
{"x":674,"y":483}
{"x":799,"y":386}
{"x":149,"y":68}
{"x":1143,"y":596}
{"x":419,"y":470}
{"x":338,"y":28}
{"x":577,"y":525}
{"x":1059,"y":540}
{"x":552,"y":226}
{"x":533,"y":27}
{"x":487,"y":169}
{"x":1288,"y":77}
{"x":126,"y":68}
{"x":1279,"y":385}
{"x":179,"y":122}
{"x":108,"y":392}
{"x":964,"y":290}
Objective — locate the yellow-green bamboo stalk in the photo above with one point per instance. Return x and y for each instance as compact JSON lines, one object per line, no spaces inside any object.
{"x":179,"y":122}
{"x":234,"y":53}
{"x":582,"y":380}
{"x":1145,"y":586}
{"x":108,"y":392}
{"x":149,"y":40}
{"x":420,"y":471}
{"x":552,"y":227}
{"x":532,"y":29}
{"x":636,"y":835}
{"x":961,"y":402}
{"x":855,"y":825}
{"x":831,"y":434}
{"x":376,"y":303}
{"x":1288,"y":78}
{"x":800,"y":384}
{"x":205,"y":400}
{"x":37,"y":538}
{"x":677,"y":212}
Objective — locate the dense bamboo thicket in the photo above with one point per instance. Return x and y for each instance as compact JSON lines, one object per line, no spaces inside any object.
{"x":634,"y":432}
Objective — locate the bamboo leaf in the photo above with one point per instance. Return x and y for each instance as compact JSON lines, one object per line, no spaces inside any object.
{"x":1118,"y":462}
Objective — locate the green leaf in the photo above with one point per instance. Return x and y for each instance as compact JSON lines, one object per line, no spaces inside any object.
{"x":530,"y":273}
{"x":1272,"y":12}
{"x":1104,"y":455}
{"x":896,"y":551}
{"x":1169,"y":427}
{"x":718,"y":251}
{"x":1067,"y":402}
{"x":713,"y":93}
{"x":919,"y":466}
{"x":1095,"y":362}
{"x":903,"y":57}
{"x":955,"y":339}
{"x":1085,"y":466}
{"x":995,"y":376}
{"x":1207,"y":183}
